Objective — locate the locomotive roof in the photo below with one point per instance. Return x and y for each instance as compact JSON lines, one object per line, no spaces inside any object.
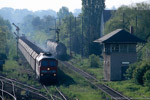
{"x":51,"y":40}
{"x":44,"y":56}
{"x":37,"y":49}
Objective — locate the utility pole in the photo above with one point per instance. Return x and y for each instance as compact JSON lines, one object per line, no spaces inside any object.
{"x":55,"y":27}
{"x":70,"y":37}
{"x":123,"y":20}
{"x":17,"y":36}
{"x":56,"y":31}
{"x":59,"y":22}
{"x":82,"y":37}
{"x":136,"y":22}
{"x":75,"y":32}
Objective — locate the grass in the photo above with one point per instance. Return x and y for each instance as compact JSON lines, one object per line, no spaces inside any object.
{"x":84,"y":65}
{"x":70,"y":83}
{"x":73,"y":85}
{"x":128,"y":87}
{"x":79,"y":88}
{"x":20,"y":73}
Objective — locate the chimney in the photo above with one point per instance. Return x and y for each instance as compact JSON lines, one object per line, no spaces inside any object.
{"x":131,"y":30}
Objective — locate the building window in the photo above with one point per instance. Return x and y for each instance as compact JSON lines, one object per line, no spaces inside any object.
{"x":115,"y":47}
{"x":123,"y":47}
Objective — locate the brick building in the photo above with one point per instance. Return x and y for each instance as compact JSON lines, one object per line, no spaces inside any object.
{"x":119,"y":51}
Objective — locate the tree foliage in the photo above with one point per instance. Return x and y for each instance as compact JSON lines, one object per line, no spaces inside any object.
{"x":137,"y":16}
{"x":139,"y":72}
{"x":70,"y":33}
{"x":131,"y":69}
{"x":5,"y":28}
{"x":63,"y":12}
{"x":35,"y":27}
{"x":146,"y":78}
{"x":92,"y":12}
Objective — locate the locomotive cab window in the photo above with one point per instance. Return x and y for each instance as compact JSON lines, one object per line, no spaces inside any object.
{"x":44,"y":63}
{"x":53,"y":63}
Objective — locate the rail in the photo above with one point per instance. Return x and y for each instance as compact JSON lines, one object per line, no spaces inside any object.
{"x":54,"y":97}
{"x":62,"y":95}
{"x":48,"y":92}
{"x":8,"y":94}
{"x":24,"y":87}
{"x":111,"y":92}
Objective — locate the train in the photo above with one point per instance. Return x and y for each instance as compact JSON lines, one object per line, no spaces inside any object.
{"x":43,"y":64}
{"x":58,"y":49}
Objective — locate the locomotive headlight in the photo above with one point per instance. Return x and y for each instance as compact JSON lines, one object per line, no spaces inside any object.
{"x":54,"y":74}
{"x":48,"y":68}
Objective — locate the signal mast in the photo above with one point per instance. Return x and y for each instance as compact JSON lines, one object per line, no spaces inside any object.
{"x":17,"y":36}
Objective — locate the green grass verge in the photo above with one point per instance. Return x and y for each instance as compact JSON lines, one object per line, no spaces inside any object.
{"x":128,"y":87}
{"x":83,"y":63}
{"x":79,"y":88}
{"x":70,"y":83}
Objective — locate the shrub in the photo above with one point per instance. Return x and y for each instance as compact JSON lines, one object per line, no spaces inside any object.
{"x":140,"y":71}
{"x":146,"y":78}
{"x":94,"y":61}
{"x":130,"y":70}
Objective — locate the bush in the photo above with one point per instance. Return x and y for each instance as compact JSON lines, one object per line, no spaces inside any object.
{"x":130,"y":70}
{"x":140,"y":71}
{"x":94,"y":61}
{"x":146,"y":78}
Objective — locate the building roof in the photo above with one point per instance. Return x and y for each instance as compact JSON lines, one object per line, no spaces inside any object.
{"x":119,"y":36}
{"x":107,"y":15}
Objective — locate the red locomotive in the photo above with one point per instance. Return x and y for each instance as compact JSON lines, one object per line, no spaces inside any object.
{"x":43,"y":64}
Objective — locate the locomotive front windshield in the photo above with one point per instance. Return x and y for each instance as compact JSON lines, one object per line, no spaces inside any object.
{"x":49,"y":63}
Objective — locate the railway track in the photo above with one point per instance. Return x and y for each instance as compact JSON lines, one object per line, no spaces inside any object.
{"x":58,"y":96}
{"x":18,"y":85}
{"x":111,"y":92}
{"x":5,"y":93}
{"x":61,"y":94}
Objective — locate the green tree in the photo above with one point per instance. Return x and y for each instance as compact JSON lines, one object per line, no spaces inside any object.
{"x":70,"y":33}
{"x":137,"y":16}
{"x":26,"y":25}
{"x":36,"y":22}
{"x":92,"y":12}
{"x":5,"y":28}
{"x":63,"y":12}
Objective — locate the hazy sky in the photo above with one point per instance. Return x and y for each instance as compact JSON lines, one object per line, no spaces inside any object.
{"x":57,"y":4}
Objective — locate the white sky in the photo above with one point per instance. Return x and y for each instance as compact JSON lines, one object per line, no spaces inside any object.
{"x":35,"y":5}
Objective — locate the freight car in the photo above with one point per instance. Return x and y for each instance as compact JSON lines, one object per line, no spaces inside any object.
{"x":44,"y":65}
{"x":58,"y":49}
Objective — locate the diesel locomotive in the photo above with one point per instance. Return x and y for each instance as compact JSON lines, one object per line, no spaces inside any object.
{"x":43,"y":64}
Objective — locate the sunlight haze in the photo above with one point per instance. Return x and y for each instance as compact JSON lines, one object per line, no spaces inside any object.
{"x":35,"y":5}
